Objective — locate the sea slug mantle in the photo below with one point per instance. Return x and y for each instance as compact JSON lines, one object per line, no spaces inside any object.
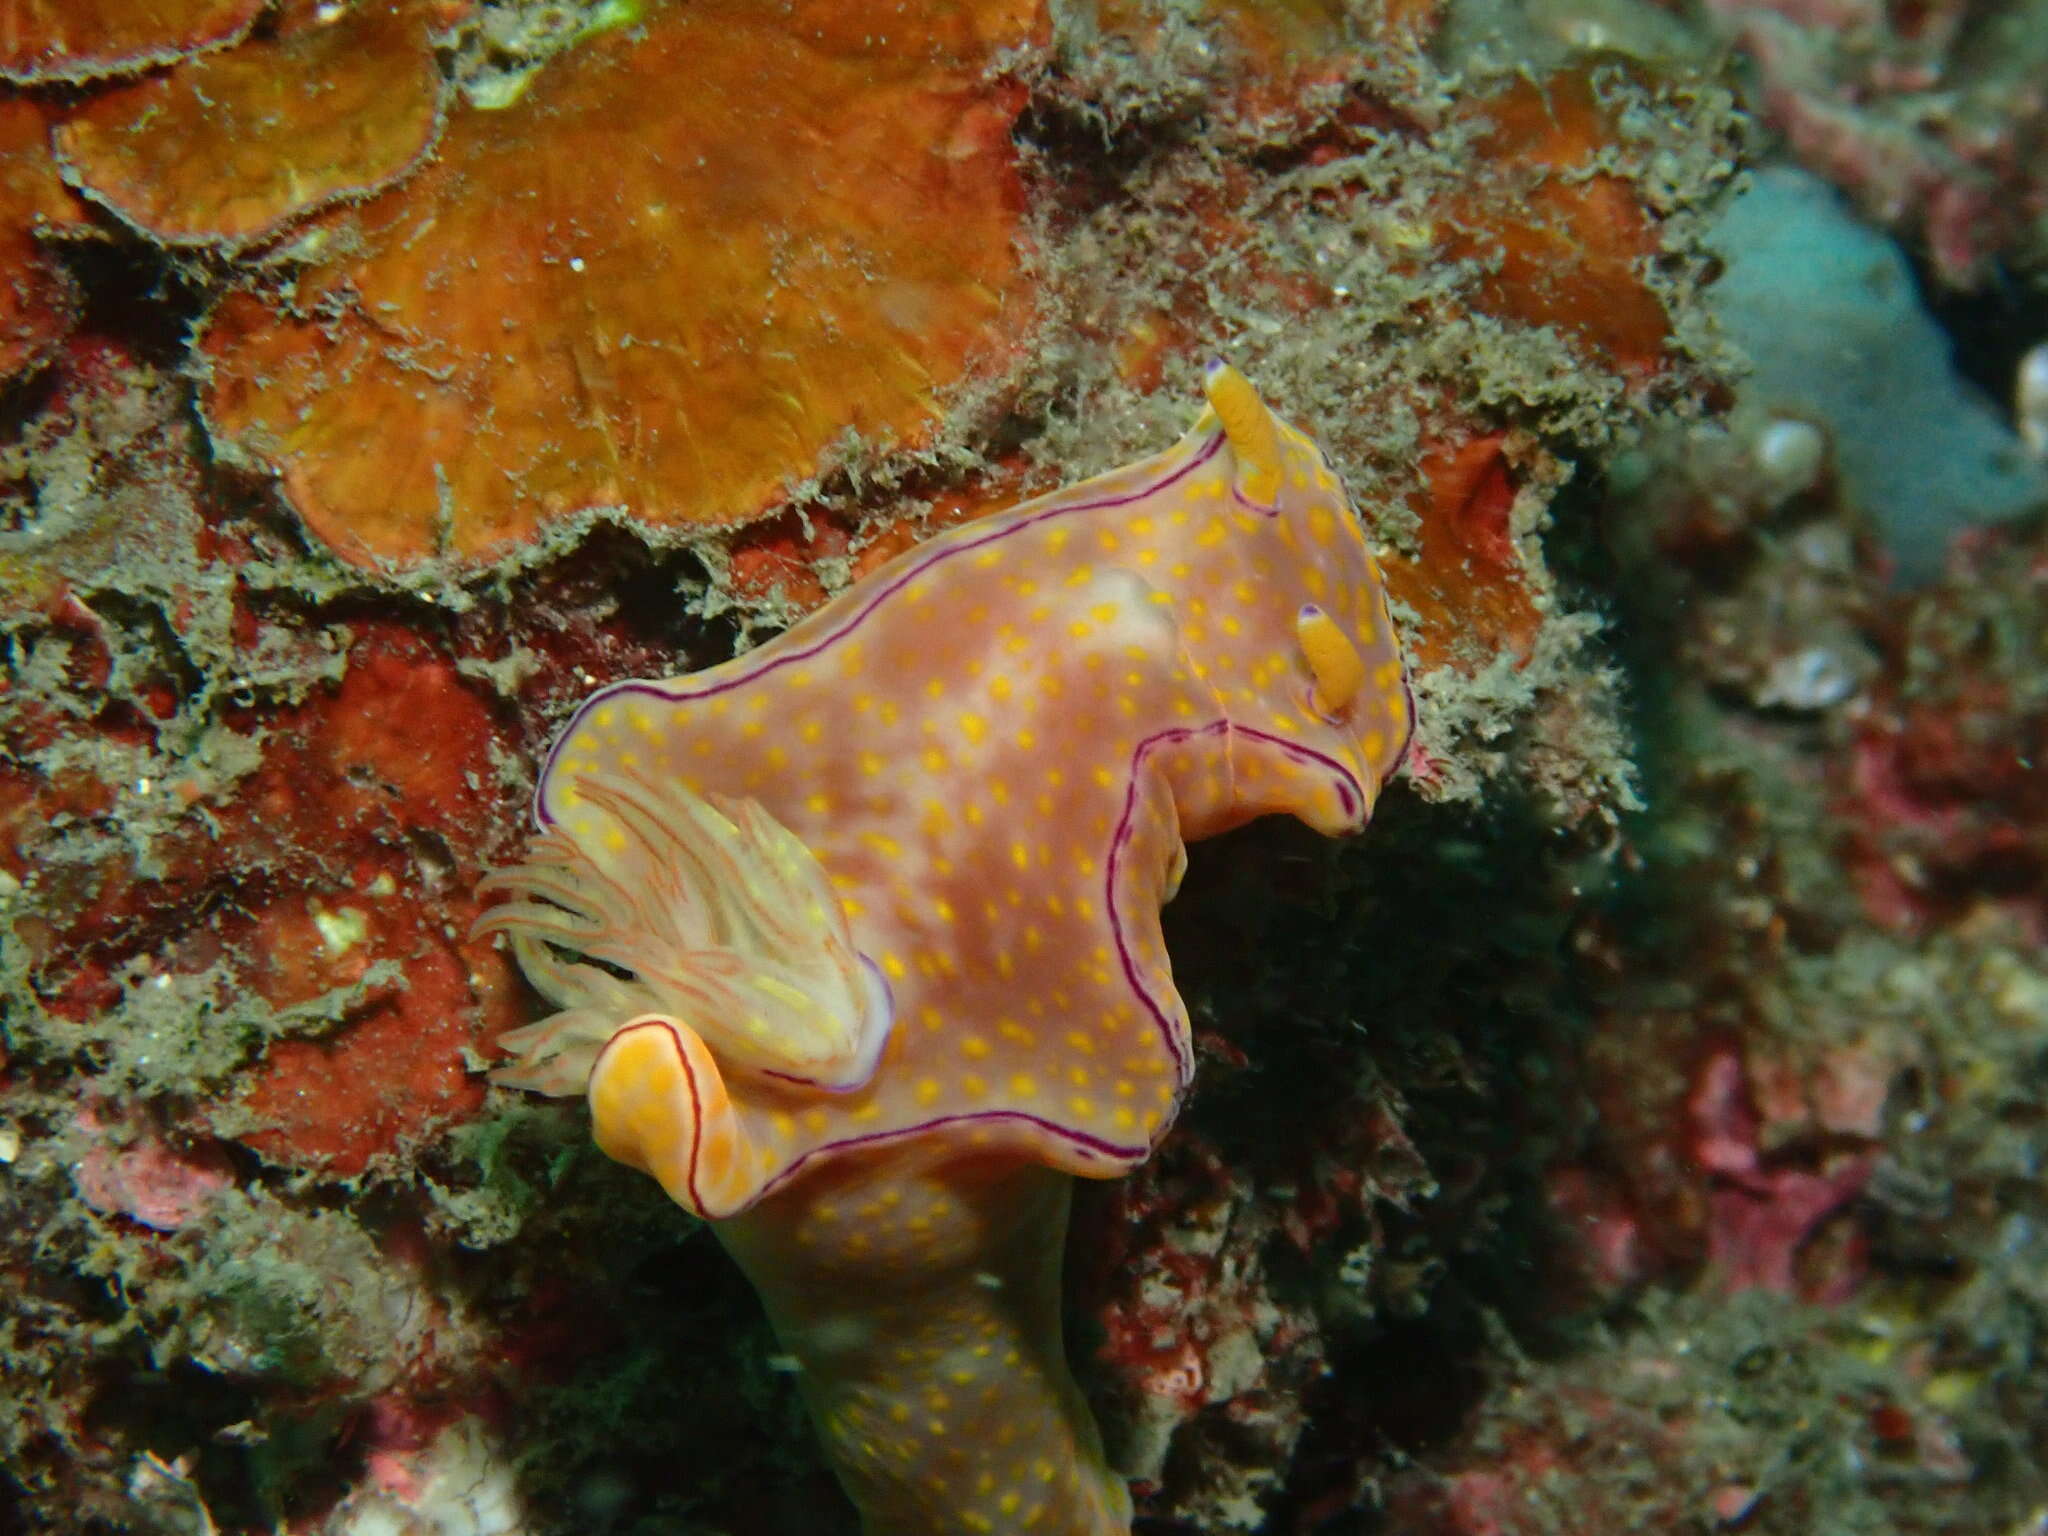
{"x":855,"y":939}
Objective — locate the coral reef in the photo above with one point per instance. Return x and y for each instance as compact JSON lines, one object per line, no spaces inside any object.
{"x":819,"y":236}
{"x":59,"y":40}
{"x":1664,"y":1072}
{"x":39,"y":303}
{"x":1932,"y":119}
{"x":1928,"y":118}
{"x":229,"y":149}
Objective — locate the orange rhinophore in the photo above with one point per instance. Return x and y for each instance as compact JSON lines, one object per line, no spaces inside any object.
{"x":855,"y":939}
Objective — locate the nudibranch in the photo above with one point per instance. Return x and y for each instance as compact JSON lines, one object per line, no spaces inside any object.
{"x":855,"y":939}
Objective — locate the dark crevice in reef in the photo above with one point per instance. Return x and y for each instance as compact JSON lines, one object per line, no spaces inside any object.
{"x":134,"y":293}
{"x":1992,"y":328}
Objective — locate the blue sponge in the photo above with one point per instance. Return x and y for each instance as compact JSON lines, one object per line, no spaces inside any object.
{"x":1827,"y":309}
